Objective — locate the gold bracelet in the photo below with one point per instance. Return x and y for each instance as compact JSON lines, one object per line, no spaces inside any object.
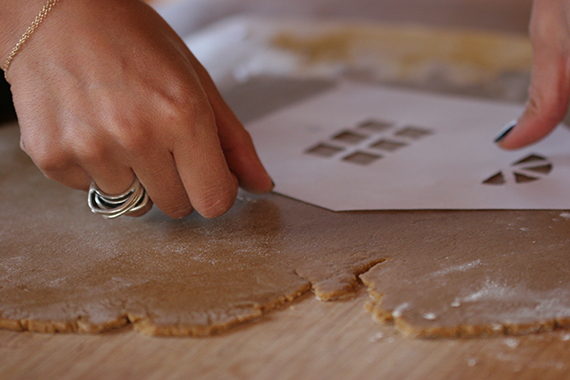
{"x":31,"y":29}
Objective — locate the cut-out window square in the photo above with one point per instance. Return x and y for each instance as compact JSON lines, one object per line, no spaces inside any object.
{"x":362,"y":158}
{"x":349,"y":137}
{"x":413,"y":132}
{"x":374,"y":126}
{"x":388,"y":145}
{"x":324,"y":150}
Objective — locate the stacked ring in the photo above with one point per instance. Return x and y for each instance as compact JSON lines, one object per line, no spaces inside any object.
{"x":113,"y":206}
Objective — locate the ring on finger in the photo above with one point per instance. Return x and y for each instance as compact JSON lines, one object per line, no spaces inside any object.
{"x":110,"y":206}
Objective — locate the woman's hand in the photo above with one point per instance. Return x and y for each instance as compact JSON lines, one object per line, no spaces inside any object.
{"x":549,"y":91}
{"x":106,"y":91}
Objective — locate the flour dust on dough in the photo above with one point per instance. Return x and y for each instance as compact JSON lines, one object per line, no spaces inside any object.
{"x":453,"y":273}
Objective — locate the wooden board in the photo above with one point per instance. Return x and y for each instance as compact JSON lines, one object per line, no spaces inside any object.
{"x":307,"y":339}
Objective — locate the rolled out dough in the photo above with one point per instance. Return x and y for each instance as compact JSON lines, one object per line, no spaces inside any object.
{"x":449,"y":273}
{"x":63,"y":269}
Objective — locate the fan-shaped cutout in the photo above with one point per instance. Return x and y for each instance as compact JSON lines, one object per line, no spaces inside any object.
{"x":521,"y":178}
{"x":545,"y":169}
{"x":530,"y":158}
{"x":528,"y":169}
{"x":495,"y":179}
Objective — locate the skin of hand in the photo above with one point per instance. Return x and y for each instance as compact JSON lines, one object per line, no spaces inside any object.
{"x":549,"y":91}
{"x":105,"y":91}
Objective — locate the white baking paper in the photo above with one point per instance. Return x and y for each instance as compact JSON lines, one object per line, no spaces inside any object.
{"x":362,"y":147}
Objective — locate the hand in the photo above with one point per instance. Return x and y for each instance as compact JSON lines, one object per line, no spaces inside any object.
{"x":549,"y":91}
{"x":106,"y":91}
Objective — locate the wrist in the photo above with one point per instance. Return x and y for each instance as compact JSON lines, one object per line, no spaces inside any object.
{"x":15,"y":18}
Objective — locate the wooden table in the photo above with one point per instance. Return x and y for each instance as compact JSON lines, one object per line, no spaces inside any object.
{"x":307,"y":339}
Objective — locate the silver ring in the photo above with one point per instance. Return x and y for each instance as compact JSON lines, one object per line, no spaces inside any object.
{"x":113,"y":206}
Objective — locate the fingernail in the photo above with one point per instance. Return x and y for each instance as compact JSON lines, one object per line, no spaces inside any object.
{"x":506,"y":130}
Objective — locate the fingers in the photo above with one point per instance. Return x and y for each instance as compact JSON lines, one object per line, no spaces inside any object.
{"x":549,"y":91}
{"x":115,"y":179}
{"x":115,"y":119}
{"x":142,"y":211}
{"x":112,"y":176}
{"x":192,"y":168}
{"x":235,"y":141}
{"x":158,"y":173}
{"x":548,"y":101}
{"x":122,"y":157}
{"x":202,"y":167}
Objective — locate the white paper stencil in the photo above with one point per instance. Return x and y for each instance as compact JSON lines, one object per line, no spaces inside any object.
{"x":359,"y":147}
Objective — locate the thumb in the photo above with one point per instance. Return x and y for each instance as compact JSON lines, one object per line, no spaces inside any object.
{"x":549,"y":90}
{"x":547,"y":104}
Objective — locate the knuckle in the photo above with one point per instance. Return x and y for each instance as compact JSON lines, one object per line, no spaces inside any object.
{"x":176,"y":103}
{"x":547,"y":109}
{"x":243,"y":137}
{"x":86,"y":145}
{"x":181,"y":94}
{"x":186,"y":107}
{"x":136,"y":139}
{"x":549,"y":103}
{"x":51,"y":162}
{"x":129,"y":129}
{"x":240,"y":140}
{"x":94,"y":152}
{"x":46,"y":159}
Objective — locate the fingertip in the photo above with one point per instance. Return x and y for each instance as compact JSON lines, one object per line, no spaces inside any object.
{"x":244,"y":163}
{"x":260,"y":187}
{"x":215,"y":199}
{"x":217,"y":206}
{"x":505,"y":131}
{"x":503,"y":135}
{"x":532,"y":126}
{"x":522,"y":135}
{"x":180,"y":211}
{"x":257,"y":180}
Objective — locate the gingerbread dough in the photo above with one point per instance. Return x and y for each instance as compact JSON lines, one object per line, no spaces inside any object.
{"x":63,"y":269}
{"x":477,"y":273}
{"x":452,"y":273}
